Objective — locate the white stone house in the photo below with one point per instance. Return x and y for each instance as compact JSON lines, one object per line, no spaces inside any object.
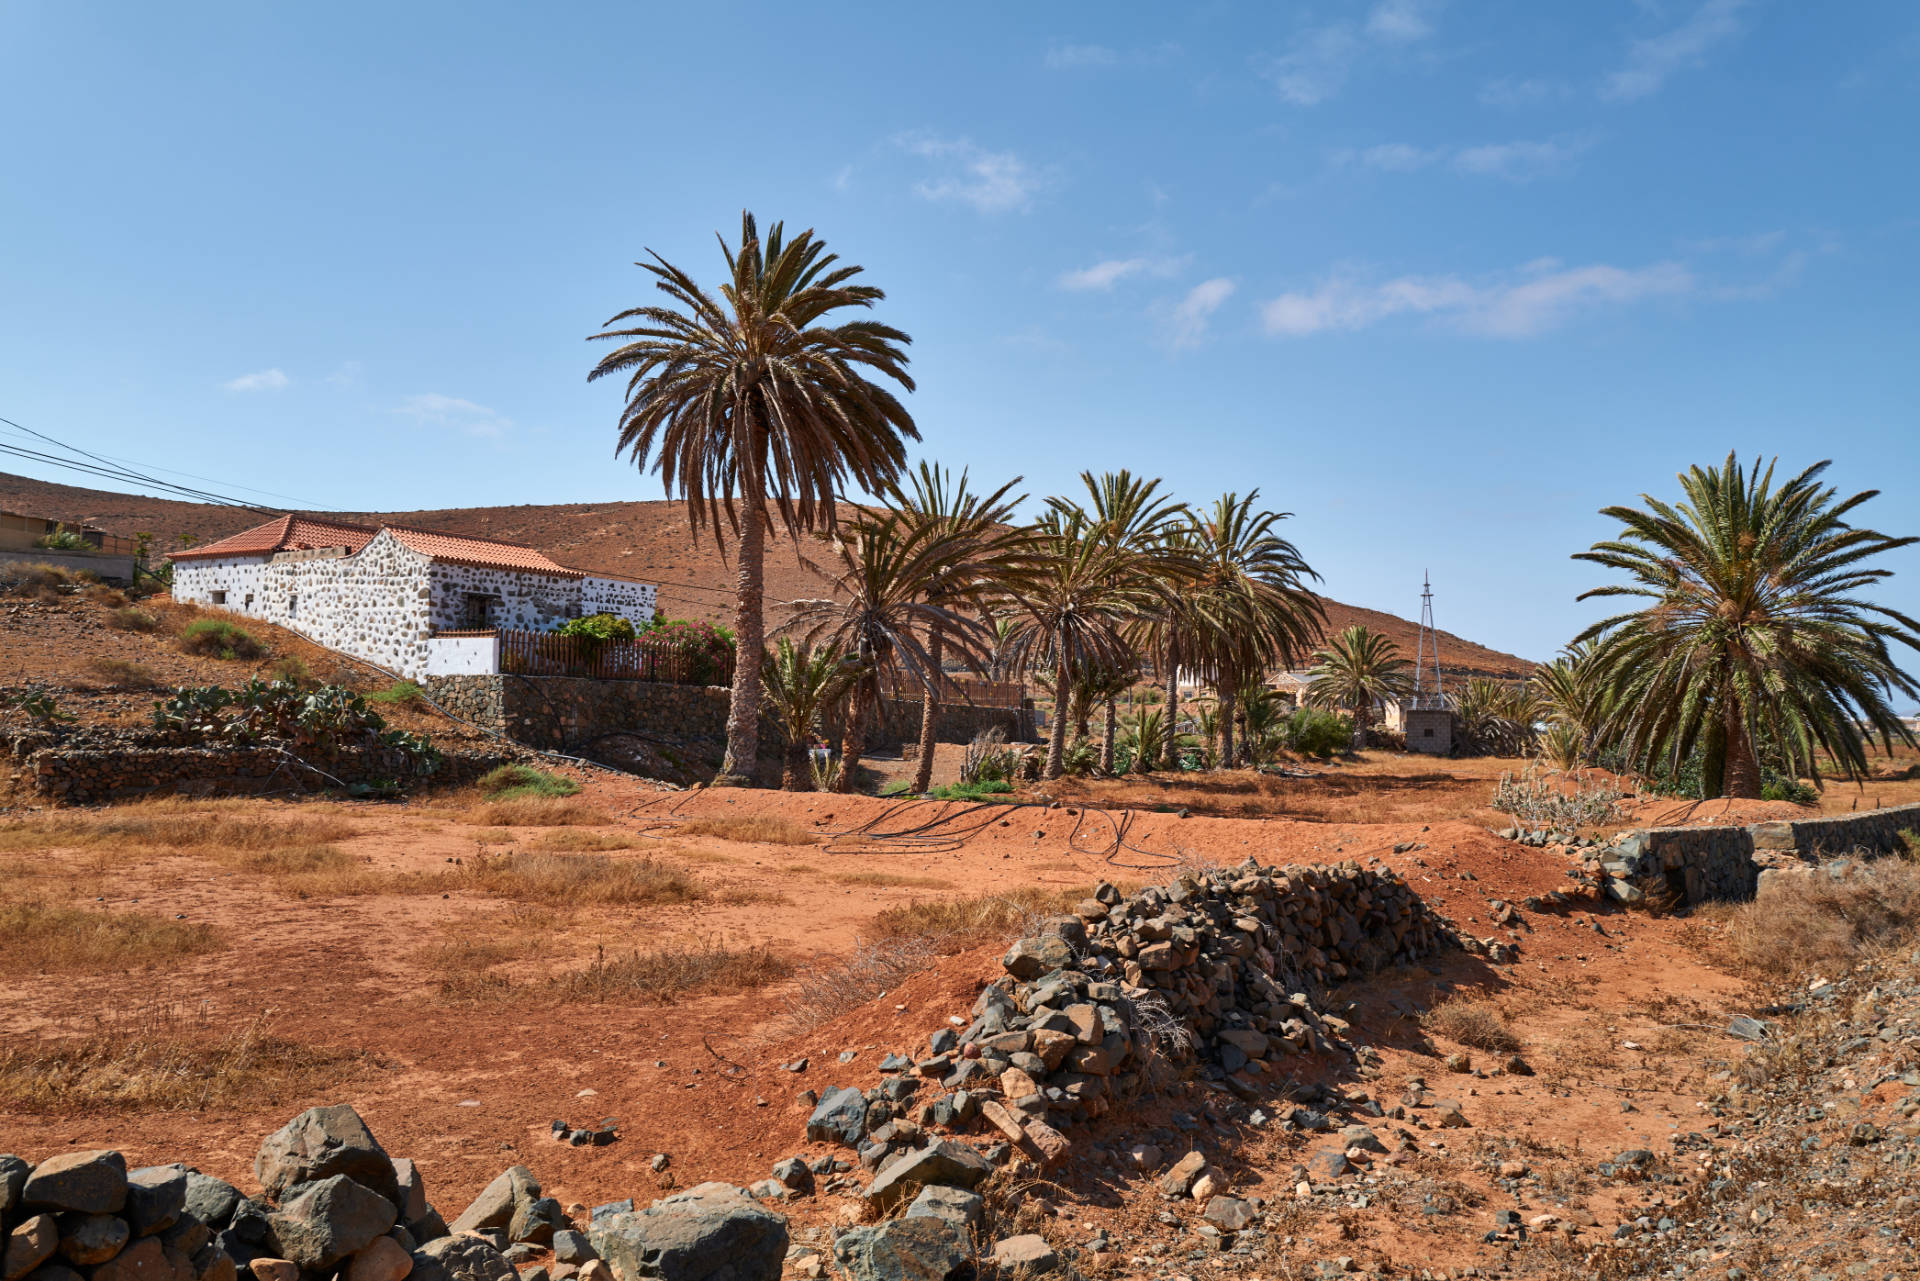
{"x":391,"y":595}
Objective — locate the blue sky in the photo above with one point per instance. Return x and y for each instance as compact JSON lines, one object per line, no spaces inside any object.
{"x":1441,"y":278}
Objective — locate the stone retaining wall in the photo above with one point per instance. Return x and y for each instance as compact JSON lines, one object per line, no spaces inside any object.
{"x":95,"y":775}
{"x":1683,"y":865}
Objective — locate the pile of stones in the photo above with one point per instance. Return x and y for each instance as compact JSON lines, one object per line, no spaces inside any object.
{"x":333,"y":1205}
{"x":1218,"y":965}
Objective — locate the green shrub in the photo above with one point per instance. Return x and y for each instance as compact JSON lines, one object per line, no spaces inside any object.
{"x":1778,"y":787}
{"x":598,"y":628}
{"x":399,"y":694}
{"x":133,"y":620}
{"x":511,"y":782}
{"x":292,"y":670}
{"x":217,"y":638}
{"x":63,"y":540}
{"x":1313,"y":732}
{"x":323,"y":721}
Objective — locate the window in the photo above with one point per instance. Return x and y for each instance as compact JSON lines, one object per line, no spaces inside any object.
{"x":248,"y":603}
{"x":481,"y":610}
{"x":219,"y":598}
{"x":293,"y":605}
{"x":1427,"y":732}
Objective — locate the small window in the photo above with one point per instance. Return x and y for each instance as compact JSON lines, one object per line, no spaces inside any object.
{"x":293,"y":609}
{"x":480,"y":610}
{"x":219,"y":598}
{"x":248,"y":602}
{"x":1428,"y":732}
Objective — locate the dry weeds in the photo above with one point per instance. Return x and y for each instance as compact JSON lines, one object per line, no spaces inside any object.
{"x":578,"y":879}
{"x":664,"y":975}
{"x":958,"y":923}
{"x":1808,"y":923}
{"x":764,"y":829}
{"x":157,"y":1058}
{"x":1473,"y":1021}
{"x":536,"y":811}
{"x":48,"y":938}
{"x":826,"y":991}
{"x":572,"y":840}
{"x":884,"y":880}
{"x":174,"y":826}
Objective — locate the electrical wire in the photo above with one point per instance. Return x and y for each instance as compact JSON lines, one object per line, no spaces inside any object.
{"x":101,"y":466}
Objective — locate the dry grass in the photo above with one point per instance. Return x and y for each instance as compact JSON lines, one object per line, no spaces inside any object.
{"x":536,"y":811}
{"x":884,"y":880}
{"x":571,"y":840}
{"x":1472,"y":1021}
{"x":49,"y":938}
{"x":825,"y":992}
{"x":578,"y":880}
{"x":769,"y":829}
{"x":159,"y":1059}
{"x":664,"y":975}
{"x":1808,"y":923}
{"x":119,"y":672}
{"x":959,"y":923}
{"x":174,"y":826}
{"x":1375,"y":788}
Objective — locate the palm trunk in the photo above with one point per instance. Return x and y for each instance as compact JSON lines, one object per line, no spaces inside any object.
{"x":1106,"y":742}
{"x":749,"y":634}
{"x":1742,"y":778}
{"x":1223,"y":717}
{"x":853,"y":740}
{"x":1082,"y":713}
{"x":1170,"y":753}
{"x":1057,"y":735}
{"x":1361,"y":713}
{"x":929,"y":716}
{"x":797,"y":776}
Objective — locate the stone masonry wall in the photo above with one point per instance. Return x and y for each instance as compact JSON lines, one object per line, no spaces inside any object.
{"x":93,"y":775}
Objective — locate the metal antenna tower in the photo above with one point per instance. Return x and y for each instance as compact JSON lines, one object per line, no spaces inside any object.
{"x":1428,"y":638}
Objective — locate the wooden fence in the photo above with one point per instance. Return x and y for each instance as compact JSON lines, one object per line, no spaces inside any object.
{"x":643,"y":659}
{"x":952,"y":689}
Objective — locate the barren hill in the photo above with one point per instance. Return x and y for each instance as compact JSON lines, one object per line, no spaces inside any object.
{"x":645,"y":540}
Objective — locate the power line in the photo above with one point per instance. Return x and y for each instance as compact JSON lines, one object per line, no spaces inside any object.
{"x":107,"y":467}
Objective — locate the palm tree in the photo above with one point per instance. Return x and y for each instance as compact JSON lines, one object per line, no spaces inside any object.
{"x":994,"y":549}
{"x":1567,"y":700}
{"x":1246,"y":607}
{"x":801,"y":682}
{"x":752,"y":404}
{"x":1495,"y":718}
{"x":882,"y":615}
{"x":1754,"y":630}
{"x":1359,"y":668}
{"x":1073,"y":605}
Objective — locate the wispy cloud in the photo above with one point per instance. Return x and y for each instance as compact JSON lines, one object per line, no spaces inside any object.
{"x":1539,"y":297}
{"x":1512,"y":91}
{"x":1401,"y":21}
{"x":1316,"y":65}
{"x":435,"y":410}
{"x":1073,"y":56}
{"x":1519,"y":161}
{"x":1107,"y":274}
{"x":990,"y":181}
{"x":1187,"y":322}
{"x":265,"y":380}
{"x":1650,"y":62}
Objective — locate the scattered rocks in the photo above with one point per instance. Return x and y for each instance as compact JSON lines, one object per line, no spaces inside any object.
{"x":1027,"y":1254}
{"x":85,"y":1182}
{"x":712,"y":1232}
{"x":320,"y":1143}
{"x":926,"y":1248}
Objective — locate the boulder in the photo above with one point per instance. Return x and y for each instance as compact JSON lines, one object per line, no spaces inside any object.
{"x":250,"y":1221}
{"x":1027,"y":1255}
{"x":209,"y":1200}
{"x":13,"y":1177}
{"x":87,"y":1239}
{"x":274,"y":1270}
{"x":956,"y":1205}
{"x":494,"y":1207}
{"x":1178,"y":1180}
{"x":535,"y":1219}
{"x":54,"y":1272}
{"x":712,"y":1232}
{"x":1029,"y":958}
{"x":841,"y":1118}
{"x":382,"y":1259}
{"x":319,"y":1144}
{"x":211,"y":1263}
{"x":30,"y":1245}
{"x":156,"y":1195}
{"x":85,"y":1182}
{"x":327,"y":1220}
{"x":460,"y":1258}
{"x":146,"y":1260}
{"x":189,"y":1236}
{"x":794,"y":1176}
{"x":945,"y":1164}
{"x":570,"y":1246}
{"x":1229,"y":1214}
{"x":413,"y":1190}
{"x":917,"y":1249}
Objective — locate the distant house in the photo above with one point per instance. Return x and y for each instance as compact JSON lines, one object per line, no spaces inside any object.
{"x":396,"y":596}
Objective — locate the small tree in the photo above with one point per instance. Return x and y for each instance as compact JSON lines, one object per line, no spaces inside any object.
{"x":801,"y":682}
{"x":1361,"y":667}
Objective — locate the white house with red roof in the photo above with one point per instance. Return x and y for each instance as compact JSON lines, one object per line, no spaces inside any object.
{"x":411,"y":600}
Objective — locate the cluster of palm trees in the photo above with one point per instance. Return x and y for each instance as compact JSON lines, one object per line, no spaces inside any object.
{"x":760,"y":404}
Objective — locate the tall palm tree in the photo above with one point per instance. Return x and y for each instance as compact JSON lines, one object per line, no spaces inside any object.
{"x":1495,"y":718}
{"x":801,"y":682}
{"x":756,"y":403}
{"x":1754,"y":631}
{"x":1568,"y":701}
{"x":882,"y":614}
{"x":1073,"y":606}
{"x":1359,"y":668}
{"x":989,"y":549}
{"x":1246,"y":607}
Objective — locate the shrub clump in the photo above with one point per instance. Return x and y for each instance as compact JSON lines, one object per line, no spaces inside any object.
{"x":132,"y":619}
{"x":515,"y":782}
{"x":323,"y":722}
{"x":1474,"y":1021}
{"x":1809,"y":922}
{"x":218,"y":638}
{"x":1312,"y":732}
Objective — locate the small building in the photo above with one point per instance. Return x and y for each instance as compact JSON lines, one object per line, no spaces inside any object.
{"x":390,"y":594}
{"x":1429,"y":727}
{"x":110,"y":557}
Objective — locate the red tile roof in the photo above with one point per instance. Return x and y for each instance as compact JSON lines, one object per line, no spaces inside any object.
{"x":301,"y":533}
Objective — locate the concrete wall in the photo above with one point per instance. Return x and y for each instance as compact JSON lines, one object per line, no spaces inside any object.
{"x":110,"y":569}
{"x":1429,"y":731}
{"x":463,"y":655}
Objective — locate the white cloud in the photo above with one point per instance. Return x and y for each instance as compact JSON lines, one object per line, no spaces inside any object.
{"x":1068,"y":57}
{"x":990,"y":181}
{"x":265,"y":380}
{"x":1541,"y":296}
{"x":1400,"y":21}
{"x":1518,"y":161}
{"x":1509,"y":91}
{"x":1652,"y":60}
{"x":1107,"y":274}
{"x":435,"y":410}
{"x":1316,"y":66}
{"x":1187,"y":324}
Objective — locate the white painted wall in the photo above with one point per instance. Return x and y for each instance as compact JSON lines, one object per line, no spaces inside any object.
{"x":463,"y":655}
{"x":631,"y":601}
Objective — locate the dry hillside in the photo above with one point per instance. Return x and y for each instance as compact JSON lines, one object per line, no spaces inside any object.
{"x":647,"y":540}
